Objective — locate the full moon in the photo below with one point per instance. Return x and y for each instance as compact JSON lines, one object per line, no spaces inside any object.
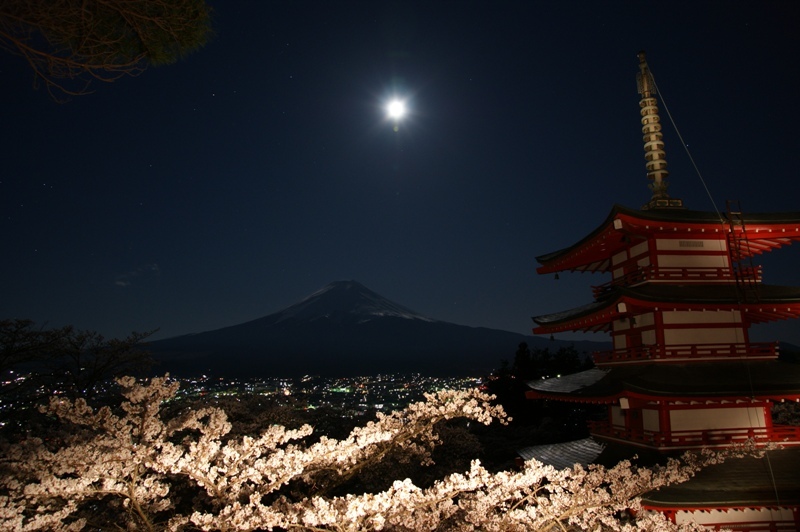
{"x":396,"y":109}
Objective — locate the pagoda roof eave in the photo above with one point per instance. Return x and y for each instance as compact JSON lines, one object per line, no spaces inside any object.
{"x":592,"y":252}
{"x":554,"y":261}
{"x":737,"y":483}
{"x":719,"y":380}
{"x":573,"y":314}
{"x":567,"y":398}
{"x":774,"y":303}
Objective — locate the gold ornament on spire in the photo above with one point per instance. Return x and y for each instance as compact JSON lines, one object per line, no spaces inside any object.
{"x":654,"y":152}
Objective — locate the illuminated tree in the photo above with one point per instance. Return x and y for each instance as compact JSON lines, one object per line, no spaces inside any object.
{"x":135,"y":469}
{"x":70,"y":43}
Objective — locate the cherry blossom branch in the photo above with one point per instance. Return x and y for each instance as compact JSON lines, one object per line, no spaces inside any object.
{"x":249,"y":483}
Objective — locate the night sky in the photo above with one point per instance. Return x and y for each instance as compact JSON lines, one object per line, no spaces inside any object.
{"x":245,"y":177}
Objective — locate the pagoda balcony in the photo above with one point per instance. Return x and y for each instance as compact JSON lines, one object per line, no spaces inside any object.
{"x":653,"y":273}
{"x":685,"y":439}
{"x":676,"y":353}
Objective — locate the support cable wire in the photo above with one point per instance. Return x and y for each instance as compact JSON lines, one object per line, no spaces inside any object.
{"x":722,"y":221}
{"x":685,"y":146}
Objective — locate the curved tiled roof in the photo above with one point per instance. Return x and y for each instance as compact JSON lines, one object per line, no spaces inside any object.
{"x":569,"y":383}
{"x":740,"y":482}
{"x":767,"y":379}
{"x":695,"y":295}
{"x":565,"y":454}
{"x":604,"y":239}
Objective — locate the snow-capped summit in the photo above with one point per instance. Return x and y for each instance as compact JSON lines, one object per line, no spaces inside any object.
{"x":347,"y":300}
{"x":342,"y":329}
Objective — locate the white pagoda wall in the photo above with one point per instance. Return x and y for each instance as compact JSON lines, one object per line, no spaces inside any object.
{"x":638,"y":255}
{"x":702,"y":336}
{"x":692,"y":257}
{"x":650,"y":420}
{"x":649,"y":337}
{"x":683,"y":327}
{"x":617,"y":417}
{"x":717,"y":418}
{"x":728,"y":517}
{"x":694,"y":253}
{"x":645,"y":321}
{"x":705,"y":245}
{"x":620,"y":342}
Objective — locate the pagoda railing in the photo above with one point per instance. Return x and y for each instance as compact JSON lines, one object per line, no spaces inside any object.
{"x":671,"y":353}
{"x":786,"y":525}
{"x":786,"y":434}
{"x":657,"y":274}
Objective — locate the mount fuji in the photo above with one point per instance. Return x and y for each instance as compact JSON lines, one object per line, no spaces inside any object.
{"x":344,"y":329}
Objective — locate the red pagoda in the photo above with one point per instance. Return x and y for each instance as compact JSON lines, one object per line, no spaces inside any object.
{"x":682,"y":372}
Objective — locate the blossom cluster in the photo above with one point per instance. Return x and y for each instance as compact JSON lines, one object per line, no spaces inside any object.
{"x":149,"y":471}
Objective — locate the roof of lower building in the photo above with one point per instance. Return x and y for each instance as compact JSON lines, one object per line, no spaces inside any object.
{"x":736,"y":378}
{"x":565,"y":454}
{"x":570,"y":383}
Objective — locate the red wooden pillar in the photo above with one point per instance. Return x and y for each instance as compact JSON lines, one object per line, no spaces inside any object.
{"x":664,"y":424}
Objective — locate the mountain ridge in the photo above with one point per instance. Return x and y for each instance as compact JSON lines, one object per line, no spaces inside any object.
{"x":344,"y":329}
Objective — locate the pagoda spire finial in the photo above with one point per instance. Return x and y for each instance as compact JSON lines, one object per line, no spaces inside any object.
{"x":654,"y":154}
